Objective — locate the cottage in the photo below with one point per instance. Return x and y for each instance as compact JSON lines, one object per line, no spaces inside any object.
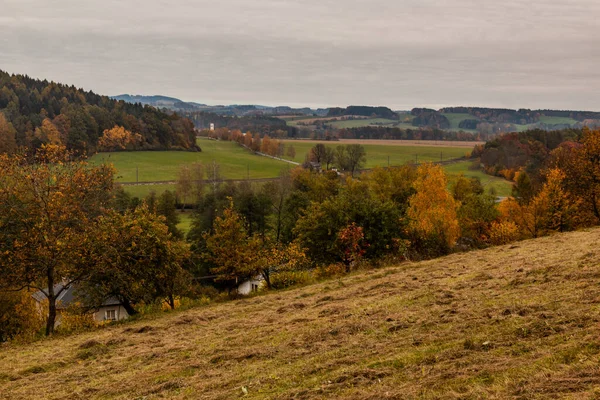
{"x":110,"y":310}
{"x":251,"y":285}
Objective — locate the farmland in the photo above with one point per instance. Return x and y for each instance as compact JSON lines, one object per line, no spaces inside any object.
{"x":238,"y":163}
{"x":515,"y":321}
{"x":501,"y":187}
{"x":398,"y":152}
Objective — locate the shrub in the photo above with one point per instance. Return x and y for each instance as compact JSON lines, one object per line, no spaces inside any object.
{"x":285,"y":279}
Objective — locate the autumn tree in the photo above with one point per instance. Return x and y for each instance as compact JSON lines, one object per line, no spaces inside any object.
{"x":118,"y":138}
{"x":229,"y":249}
{"x":141,"y":264}
{"x":273,"y":258}
{"x":8,"y":139}
{"x":190,"y":182}
{"x":291,"y":151}
{"x":432,"y":210}
{"x":328,"y":157}
{"x":356,"y":158}
{"x":352,"y":244}
{"x":317,"y":153}
{"x":48,"y":133}
{"x":582,"y":171}
{"x":49,"y":208}
{"x":560,"y":207}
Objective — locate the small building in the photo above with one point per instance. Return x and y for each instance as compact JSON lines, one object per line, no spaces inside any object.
{"x":251,"y":285}
{"x":212,"y":126}
{"x":109,"y":310}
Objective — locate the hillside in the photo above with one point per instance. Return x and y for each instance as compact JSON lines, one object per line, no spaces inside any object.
{"x":33,"y":112}
{"x":518,"y":321}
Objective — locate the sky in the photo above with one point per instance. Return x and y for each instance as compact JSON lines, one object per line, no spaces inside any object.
{"x":317,"y":53}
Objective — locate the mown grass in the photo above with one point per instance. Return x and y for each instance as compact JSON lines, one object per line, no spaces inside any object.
{"x":501,"y":187}
{"x":518,"y":321}
{"x":377,"y":154}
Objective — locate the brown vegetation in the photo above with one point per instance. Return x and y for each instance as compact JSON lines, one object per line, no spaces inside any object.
{"x":517,"y":321}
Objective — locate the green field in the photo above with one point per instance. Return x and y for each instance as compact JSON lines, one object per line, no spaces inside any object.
{"x":358,"y":123}
{"x":456,"y":118}
{"x":377,"y":154}
{"x":501,"y":186}
{"x":557,"y":120}
{"x":235,"y":162}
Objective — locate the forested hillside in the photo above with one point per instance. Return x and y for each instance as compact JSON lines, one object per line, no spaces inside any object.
{"x":34,"y":112}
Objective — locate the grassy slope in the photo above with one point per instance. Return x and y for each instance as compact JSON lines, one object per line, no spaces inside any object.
{"x":164,"y":165}
{"x":502,"y":187}
{"x":377,"y":154}
{"x":518,"y":321}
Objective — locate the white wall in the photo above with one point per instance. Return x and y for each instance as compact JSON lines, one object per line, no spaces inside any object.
{"x":246,"y":287}
{"x":119,"y":310}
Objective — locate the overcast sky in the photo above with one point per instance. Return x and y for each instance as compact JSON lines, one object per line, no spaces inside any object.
{"x":398,"y":53}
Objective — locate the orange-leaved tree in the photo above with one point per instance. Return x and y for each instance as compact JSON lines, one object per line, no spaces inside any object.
{"x":432,"y":209}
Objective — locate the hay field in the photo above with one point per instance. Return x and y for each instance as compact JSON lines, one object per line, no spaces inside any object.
{"x":520,"y":321}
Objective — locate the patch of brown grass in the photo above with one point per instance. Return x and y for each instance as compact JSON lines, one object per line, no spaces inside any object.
{"x":518,"y":321}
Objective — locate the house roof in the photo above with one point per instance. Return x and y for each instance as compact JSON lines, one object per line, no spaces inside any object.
{"x":69,"y":296}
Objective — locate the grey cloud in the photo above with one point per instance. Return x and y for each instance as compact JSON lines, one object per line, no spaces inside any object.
{"x":307,"y":52}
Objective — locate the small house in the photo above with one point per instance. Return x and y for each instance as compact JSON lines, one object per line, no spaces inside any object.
{"x":109,"y":310}
{"x":250,"y":285}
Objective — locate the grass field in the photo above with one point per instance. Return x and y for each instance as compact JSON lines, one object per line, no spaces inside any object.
{"x":557,"y":120}
{"x":357,"y":123}
{"x":520,"y":321}
{"x":377,"y":154}
{"x":500,"y":186}
{"x":456,"y":118}
{"x":235,"y":162}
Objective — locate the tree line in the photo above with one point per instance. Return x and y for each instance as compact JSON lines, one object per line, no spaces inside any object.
{"x":36,"y":112}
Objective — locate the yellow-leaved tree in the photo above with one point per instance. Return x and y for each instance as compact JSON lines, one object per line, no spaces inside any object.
{"x":118,"y":138}
{"x":433,"y":222}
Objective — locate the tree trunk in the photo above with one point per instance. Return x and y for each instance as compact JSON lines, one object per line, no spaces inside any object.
{"x":171,"y":301}
{"x":267,"y":276}
{"x":128,"y":307}
{"x":51,"y":315}
{"x":51,"y":304}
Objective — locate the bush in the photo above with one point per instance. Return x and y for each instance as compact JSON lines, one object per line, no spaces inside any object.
{"x":330,"y":271}
{"x":281,"y":280}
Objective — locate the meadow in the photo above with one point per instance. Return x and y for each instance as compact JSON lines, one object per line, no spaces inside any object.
{"x":235,"y":162}
{"x":519,"y":321}
{"x":380,"y":151}
{"x":499,"y":186}
{"x":238,"y":163}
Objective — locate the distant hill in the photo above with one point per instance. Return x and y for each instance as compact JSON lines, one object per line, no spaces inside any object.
{"x":516,"y":321}
{"x":39,"y":111}
{"x":366,"y":111}
{"x":237,"y":110}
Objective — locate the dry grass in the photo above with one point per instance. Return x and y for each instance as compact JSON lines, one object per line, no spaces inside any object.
{"x":518,"y":321}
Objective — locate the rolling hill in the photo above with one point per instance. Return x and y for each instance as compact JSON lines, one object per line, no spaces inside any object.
{"x":517,"y":321}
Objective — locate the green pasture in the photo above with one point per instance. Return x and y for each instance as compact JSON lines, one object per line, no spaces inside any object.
{"x":235,"y":162}
{"x":557,"y":120}
{"x":501,"y":186}
{"x":359,"y":123}
{"x":456,"y":118}
{"x":378,"y":154}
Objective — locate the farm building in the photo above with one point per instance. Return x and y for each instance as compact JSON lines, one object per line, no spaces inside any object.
{"x":110,"y":310}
